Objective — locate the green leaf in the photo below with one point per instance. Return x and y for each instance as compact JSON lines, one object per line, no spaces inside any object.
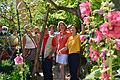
{"x":93,"y":75}
{"x":97,"y":73}
{"x":94,"y":68}
{"x":94,"y":46}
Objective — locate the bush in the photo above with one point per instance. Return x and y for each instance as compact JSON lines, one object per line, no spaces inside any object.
{"x":10,"y":71}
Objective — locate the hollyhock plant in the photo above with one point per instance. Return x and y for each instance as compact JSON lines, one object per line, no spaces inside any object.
{"x":117,"y":44}
{"x":85,"y":9}
{"x":18,"y":59}
{"x":99,"y":36}
{"x":82,"y":38}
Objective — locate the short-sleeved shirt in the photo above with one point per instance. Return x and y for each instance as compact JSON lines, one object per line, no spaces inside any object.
{"x":62,"y":39}
{"x":73,"y":44}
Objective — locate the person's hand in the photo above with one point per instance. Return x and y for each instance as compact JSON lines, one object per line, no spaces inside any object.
{"x":60,"y":52}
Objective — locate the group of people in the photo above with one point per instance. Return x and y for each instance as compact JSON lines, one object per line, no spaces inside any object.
{"x":63,"y":45}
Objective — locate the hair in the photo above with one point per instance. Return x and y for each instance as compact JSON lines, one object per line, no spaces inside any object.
{"x":61,"y":22}
{"x":77,"y":28}
{"x":46,"y":28}
{"x":52,"y":26}
{"x":0,"y":26}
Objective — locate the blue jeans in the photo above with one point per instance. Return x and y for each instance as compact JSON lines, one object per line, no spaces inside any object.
{"x":74,"y":62}
{"x":47,"y":68}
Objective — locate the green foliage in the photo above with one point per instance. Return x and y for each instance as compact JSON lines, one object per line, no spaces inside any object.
{"x":94,"y":68}
{"x":4,"y":76}
{"x":69,"y":3}
{"x":94,"y":75}
{"x":116,"y":64}
{"x":9,"y":71}
{"x":95,"y":4}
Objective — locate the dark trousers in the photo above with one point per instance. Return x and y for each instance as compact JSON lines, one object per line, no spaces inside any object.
{"x":47,"y":68}
{"x":74,"y":61}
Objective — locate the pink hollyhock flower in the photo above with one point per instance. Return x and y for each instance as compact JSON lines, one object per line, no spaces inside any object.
{"x":105,"y":76}
{"x":104,"y":28}
{"x":97,"y":53}
{"x":117,"y":44}
{"x":18,"y":59}
{"x":99,"y":36}
{"x":85,"y":9}
{"x":82,"y":38}
{"x":112,"y":29}
{"x":114,"y":19}
{"x":91,"y":50}
{"x":86,"y":20}
{"x":94,"y":54}
{"x":113,"y":15}
{"x":105,"y":66}
{"x":112,"y":33}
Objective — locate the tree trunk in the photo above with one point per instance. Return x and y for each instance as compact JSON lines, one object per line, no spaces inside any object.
{"x":39,"y":47}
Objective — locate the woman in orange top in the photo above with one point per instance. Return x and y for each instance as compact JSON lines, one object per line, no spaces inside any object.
{"x":62,"y":37}
{"x":73,"y":45}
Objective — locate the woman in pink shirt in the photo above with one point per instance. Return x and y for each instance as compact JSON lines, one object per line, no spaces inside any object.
{"x":62,"y":58}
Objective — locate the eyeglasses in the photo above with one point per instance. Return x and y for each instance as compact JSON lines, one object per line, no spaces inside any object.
{"x":4,"y":29}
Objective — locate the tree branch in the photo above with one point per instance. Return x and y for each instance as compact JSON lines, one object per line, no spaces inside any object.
{"x":68,"y":9}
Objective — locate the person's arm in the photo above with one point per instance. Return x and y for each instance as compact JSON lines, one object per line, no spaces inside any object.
{"x":62,"y":50}
{"x":54,"y":43}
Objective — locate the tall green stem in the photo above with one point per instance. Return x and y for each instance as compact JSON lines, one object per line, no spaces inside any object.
{"x":110,"y":60}
{"x":110,"y":65}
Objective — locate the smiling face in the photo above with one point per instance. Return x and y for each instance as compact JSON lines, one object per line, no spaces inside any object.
{"x":73,"y":30}
{"x":62,"y":27}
